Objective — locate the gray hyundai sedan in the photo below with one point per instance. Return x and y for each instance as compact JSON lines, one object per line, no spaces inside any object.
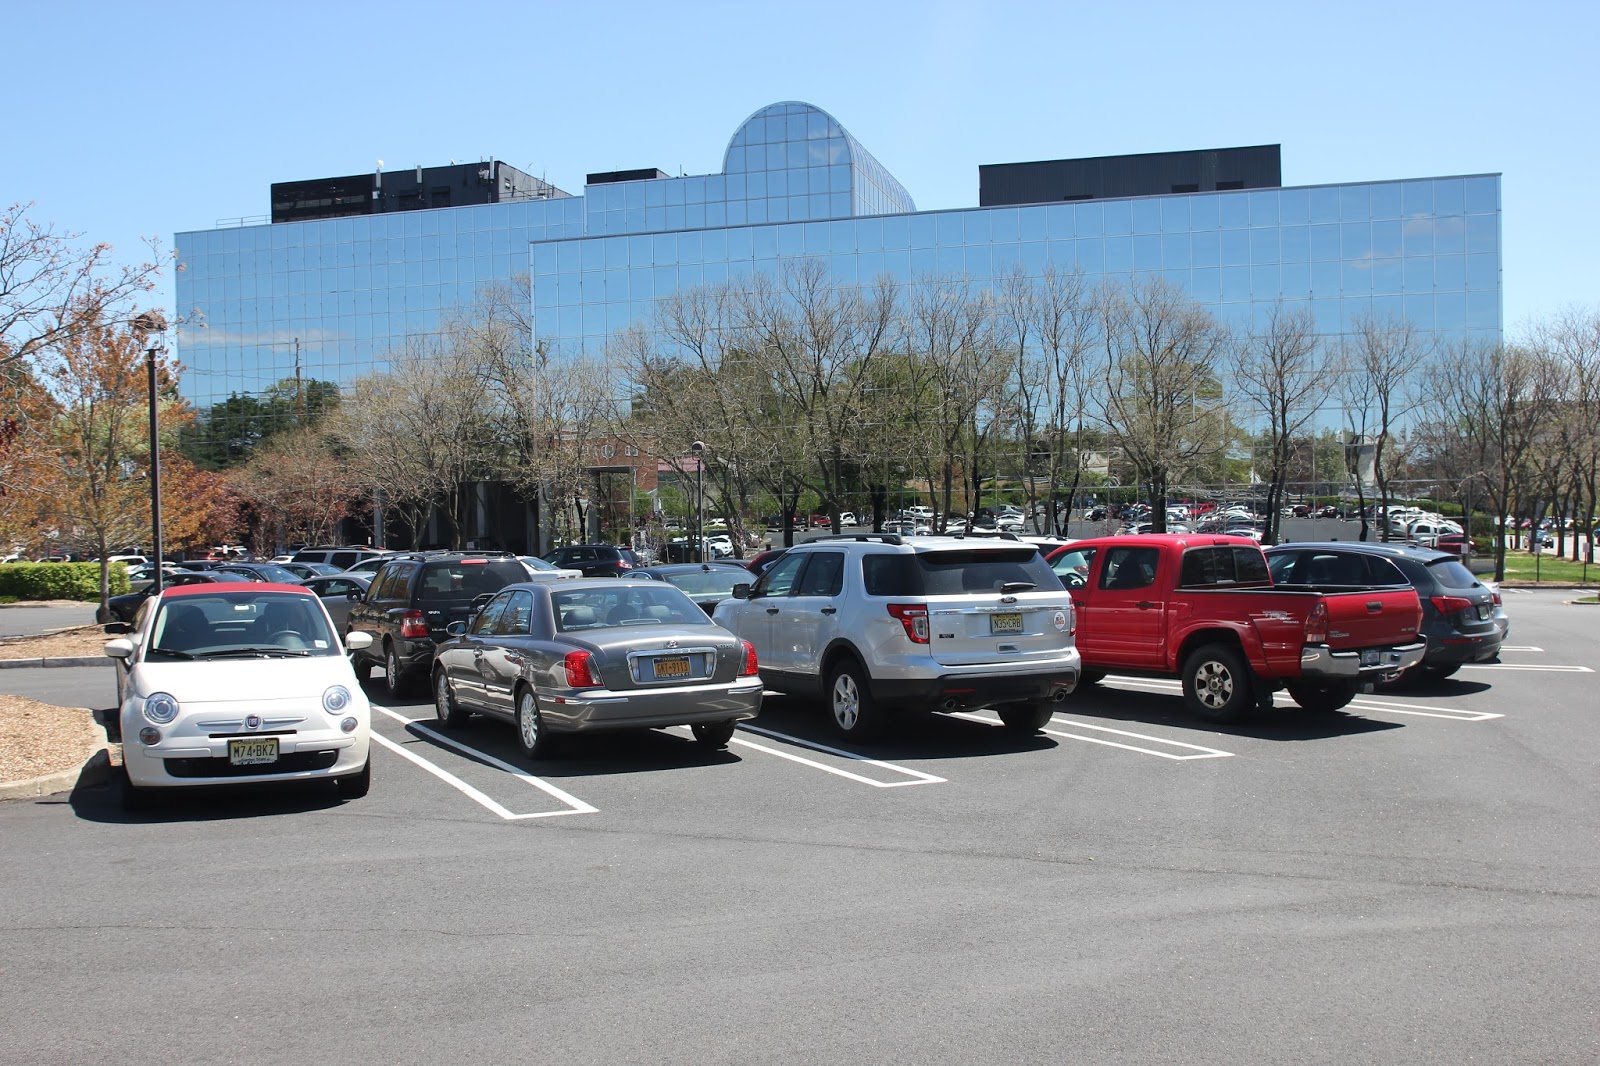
{"x":595,"y":655}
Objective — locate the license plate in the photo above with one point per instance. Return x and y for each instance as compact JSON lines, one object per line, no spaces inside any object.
{"x":1484,"y":610}
{"x":253,"y":752}
{"x":1369,"y":656}
{"x":672,"y":667}
{"x":1010,"y":622}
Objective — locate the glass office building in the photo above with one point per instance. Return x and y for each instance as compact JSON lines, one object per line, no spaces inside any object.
{"x":333,"y":297}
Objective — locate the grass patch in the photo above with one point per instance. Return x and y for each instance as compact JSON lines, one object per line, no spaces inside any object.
{"x":1549,"y":570}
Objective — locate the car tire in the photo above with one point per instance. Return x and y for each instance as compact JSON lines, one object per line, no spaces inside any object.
{"x":713,"y":735}
{"x":1090,"y":677}
{"x":532,"y":732}
{"x":1437,"y":673}
{"x":1217,"y":684}
{"x":450,"y":713}
{"x":1323,"y":699}
{"x":395,"y":682}
{"x":855,"y":714}
{"x":356,"y":785}
{"x":1026,"y":717}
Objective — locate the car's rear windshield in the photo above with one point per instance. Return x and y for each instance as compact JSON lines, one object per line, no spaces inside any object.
{"x":630,"y":603}
{"x":953,"y":573}
{"x":466,"y":579}
{"x":1451,"y":574}
{"x":716,"y":581}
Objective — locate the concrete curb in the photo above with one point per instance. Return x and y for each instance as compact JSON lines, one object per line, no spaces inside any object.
{"x":55,"y":661}
{"x":95,"y":770}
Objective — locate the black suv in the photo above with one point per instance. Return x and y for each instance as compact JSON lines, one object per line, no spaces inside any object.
{"x":1462,"y":619}
{"x":413,"y":597}
{"x":595,"y":560}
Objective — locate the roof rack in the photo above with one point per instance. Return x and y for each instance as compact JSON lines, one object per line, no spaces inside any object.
{"x":878,"y":538}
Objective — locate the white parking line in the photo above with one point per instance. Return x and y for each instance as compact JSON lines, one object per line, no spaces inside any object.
{"x":1514,"y":647}
{"x":918,"y":777}
{"x":576,"y":805}
{"x":1201,"y":752}
{"x":1517,"y":666}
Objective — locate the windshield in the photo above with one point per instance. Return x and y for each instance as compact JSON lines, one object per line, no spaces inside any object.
{"x":715,"y":581}
{"x":631,"y":603}
{"x":243,"y":624}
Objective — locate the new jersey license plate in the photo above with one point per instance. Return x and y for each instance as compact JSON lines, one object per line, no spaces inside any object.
{"x":253,"y":751}
{"x":676,"y":667}
{"x":1010,"y":622}
{"x":1369,"y":656}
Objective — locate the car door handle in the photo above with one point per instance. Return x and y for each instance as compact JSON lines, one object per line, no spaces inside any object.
{"x":1144,"y":605}
{"x":830,"y":610}
{"x":772,"y":610}
{"x":1374,"y":606}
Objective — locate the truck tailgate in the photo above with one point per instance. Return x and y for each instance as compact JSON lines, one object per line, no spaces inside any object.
{"x":1372,"y":618}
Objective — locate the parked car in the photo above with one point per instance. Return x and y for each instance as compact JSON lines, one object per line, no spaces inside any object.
{"x":539,"y":570}
{"x":343,"y":557}
{"x":761,"y":562}
{"x":877,"y":625}
{"x":225,"y":683}
{"x":339,"y":593}
{"x":411,"y":601}
{"x":595,"y":560}
{"x":589,"y":656}
{"x":707,"y":584}
{"x":125,"y":606}
{"x":270,"y":572}
{"x":308,"y":570}
{"x":1463,"y":621}
{"x":1206,"y":610}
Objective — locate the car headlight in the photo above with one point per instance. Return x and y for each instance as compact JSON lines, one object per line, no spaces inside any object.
{"x":336,"y":699}
{"x":160,"y":708}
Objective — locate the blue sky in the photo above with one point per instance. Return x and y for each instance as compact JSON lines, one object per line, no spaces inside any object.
{"x":150,"y":119}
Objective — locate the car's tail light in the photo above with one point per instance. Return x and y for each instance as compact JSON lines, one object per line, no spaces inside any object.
{"x":1496,"y":595}
{"x":623,"y":564}
{"x":750,"y":668}
{"x":1450,"y":604}
{"x":915,"y":619}
{"x":580,"y":670}
{"x":1317,"y":624}
{"x":413,"y":625}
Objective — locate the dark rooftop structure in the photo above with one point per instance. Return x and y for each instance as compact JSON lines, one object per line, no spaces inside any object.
{"x":1150,"y":174}
{"x":456,"y":185}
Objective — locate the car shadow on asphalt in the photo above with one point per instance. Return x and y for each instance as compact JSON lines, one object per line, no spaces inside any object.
{"x":1429,"y":687}
{"x":913,"y":735}
{"x":101,"y":801}
{"x":1168,"y":710}
{"x":631,"y":751}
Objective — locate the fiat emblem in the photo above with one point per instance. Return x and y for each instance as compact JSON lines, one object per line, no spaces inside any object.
{"x":253,"y":721}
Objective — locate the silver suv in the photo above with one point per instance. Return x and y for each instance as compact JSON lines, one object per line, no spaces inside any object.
{"x":877,"y":623}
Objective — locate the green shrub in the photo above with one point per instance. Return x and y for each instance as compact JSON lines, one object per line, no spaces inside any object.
{"x":59,"y":581}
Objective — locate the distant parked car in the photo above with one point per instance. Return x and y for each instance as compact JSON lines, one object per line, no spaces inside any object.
{"x":270,"y":572}
{"x":308,"y":570}
{"x":707,"y":584}
{"x":595,"y":560}
{"x":125,"y":606}
{"x":343,"y":557}
{"x":589,"y":656}
{"x":339,"y":593}
{"x":539,"y":570}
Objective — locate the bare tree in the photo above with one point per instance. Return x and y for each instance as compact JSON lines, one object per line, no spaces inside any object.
{"x":1380,"y":366}
{"x":1497,"y":398}
{"x":1572,"y":337}
{"x":1163,"y":402}
{"x":1280,"y":376}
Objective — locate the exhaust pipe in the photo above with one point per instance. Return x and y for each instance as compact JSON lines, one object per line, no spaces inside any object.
{"x":1060,"y":696}
{"x":951,"y":705}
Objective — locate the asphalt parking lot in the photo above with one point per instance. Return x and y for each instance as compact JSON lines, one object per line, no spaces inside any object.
{"x":1415,"y":879}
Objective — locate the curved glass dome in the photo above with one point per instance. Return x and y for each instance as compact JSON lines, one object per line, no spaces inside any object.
{"x":800,"y":153}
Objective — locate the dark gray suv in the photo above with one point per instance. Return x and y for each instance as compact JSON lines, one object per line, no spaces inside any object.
{"x":1462,"y":618}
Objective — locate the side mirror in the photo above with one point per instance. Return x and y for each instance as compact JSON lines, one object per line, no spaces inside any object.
{"x":455,"y":629}
{"x":357,"y":639}
{"x":119,"y":649}
{"x":117,"y":627}
{"x":741,"y":591}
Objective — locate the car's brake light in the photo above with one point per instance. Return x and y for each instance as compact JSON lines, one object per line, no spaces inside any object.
{"x":472,"y":562}
{"x":413,"y":624}
{"x":1496,"y":595}
{"x":915,"y":619}
{"x":623,"y":564}
{"x":750,"y":668}
{"x":580,"y":670}
{"x":1317,"y":624}
{"x":1450,"y":604}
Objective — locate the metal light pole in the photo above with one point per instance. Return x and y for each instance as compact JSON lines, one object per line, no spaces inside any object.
{"x":153,"y":323}
{"x":699,"y":448}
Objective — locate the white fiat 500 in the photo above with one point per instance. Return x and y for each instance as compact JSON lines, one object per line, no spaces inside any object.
{"x":226,"y":684}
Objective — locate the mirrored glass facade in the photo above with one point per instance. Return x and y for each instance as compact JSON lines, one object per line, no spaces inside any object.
{"x":795,"y":184}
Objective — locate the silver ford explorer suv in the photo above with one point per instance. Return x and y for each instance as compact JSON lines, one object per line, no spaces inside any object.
{"x":877,"y":623}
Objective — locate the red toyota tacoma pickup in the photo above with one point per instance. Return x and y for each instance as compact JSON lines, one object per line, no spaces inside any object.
{"x":1204,"y":608}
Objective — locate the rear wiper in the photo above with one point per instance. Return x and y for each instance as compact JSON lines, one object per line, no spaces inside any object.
{"x":241,"y":653}
{"x":1018,"y":586}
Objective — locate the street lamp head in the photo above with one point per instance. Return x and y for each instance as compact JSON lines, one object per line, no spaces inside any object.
{"x":698,"y":447}
{"x":148,"y":322}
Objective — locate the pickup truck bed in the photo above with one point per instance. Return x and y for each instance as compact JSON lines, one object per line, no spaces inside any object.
{"x":1203,"y":608}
